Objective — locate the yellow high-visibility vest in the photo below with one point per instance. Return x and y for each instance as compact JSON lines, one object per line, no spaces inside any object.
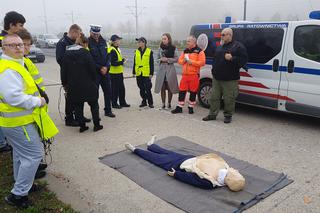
{"x":116,"y":69}
{"x":11,"y":116}
{"x":31,"y":67}
{"x":142,"y":65}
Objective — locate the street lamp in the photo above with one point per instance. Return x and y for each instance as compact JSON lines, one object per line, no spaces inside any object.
{"x":245,"y":10}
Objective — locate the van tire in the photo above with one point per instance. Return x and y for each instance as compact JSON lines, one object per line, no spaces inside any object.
{"x":204,"y":93}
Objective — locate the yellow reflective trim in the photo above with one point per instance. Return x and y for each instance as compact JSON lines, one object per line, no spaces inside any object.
{"x":26,"y":133}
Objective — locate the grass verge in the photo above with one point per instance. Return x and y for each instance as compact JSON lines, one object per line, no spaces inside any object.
{"x":44,"y":201}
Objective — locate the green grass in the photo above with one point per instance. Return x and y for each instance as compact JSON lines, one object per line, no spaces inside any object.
{"x":43,"y":201}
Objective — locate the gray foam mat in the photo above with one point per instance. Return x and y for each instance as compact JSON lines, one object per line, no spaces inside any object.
{"x":260,"y":182}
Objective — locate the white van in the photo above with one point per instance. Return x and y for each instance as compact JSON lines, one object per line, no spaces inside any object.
{"x":283,"y":71}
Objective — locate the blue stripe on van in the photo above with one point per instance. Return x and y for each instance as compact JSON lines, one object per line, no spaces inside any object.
{"x":300,"y":70}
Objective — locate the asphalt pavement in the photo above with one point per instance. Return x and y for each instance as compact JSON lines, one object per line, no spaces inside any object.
{"x":273,"y":140}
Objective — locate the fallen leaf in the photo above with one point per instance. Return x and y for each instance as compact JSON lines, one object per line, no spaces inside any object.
{"x":307,"y":199}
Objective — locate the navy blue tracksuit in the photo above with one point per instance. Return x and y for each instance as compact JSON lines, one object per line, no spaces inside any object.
{"x":167,"y":160}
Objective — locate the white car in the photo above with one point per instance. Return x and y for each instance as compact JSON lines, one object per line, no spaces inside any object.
{"x":47,"y":40}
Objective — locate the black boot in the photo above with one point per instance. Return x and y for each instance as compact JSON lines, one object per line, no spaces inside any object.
{"x":97,"y":126}
{"x":190,"y":110}
{"x":143,"y":103}
{"x":83,"y":128}
{"x":177,"y":110}
{"x":227,"y":119}
{"x":70,"y":121}
{"x":18,"y":201}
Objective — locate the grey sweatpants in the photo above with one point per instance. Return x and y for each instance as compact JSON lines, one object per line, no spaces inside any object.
{"x":27,"y":154}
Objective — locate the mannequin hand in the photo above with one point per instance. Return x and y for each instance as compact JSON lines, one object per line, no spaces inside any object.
{"x":171,"y":173}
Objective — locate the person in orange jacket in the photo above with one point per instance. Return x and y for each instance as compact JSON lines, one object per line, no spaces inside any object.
{"x":192,"y":59}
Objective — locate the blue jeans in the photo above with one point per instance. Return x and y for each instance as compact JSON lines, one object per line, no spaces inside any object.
{"x":3,"y":142}
{"x":162,"y":158}
{"x":27,"y":154}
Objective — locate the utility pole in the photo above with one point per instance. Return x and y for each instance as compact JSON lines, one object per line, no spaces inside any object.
{"x":45,"y":15}
{"x":136,"y":16}
{"x":245,"y":10}
{"x":71,"y":15}
{"x":134,"y":11}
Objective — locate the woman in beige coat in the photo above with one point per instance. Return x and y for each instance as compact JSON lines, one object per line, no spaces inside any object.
{"x":166,"y":76}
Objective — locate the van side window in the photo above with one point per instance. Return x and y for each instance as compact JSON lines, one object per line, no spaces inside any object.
{"x":307,"y":42}
{"x":262,"y":44}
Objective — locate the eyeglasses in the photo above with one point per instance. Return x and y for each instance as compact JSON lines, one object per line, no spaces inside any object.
{"x":14,"y":46}
{"x":223,"y":34}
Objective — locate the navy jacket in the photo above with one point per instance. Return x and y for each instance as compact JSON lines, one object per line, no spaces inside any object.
{"x":99,"y":52}
{"x":189,"y":177}
{"x":61,"y":48}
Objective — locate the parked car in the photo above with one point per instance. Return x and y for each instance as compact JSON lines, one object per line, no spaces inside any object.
{"x":36,"y":54}
{"x":283,"y":68}
{"x":46,"y":40}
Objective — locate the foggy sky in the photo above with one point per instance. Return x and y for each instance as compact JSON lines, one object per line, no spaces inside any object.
{"x":155,"y":17}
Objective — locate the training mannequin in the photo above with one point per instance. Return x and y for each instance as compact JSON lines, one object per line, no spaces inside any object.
{"x":205,"y":171}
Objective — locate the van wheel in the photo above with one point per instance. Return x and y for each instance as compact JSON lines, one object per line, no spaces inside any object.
{"x":204,"y":93}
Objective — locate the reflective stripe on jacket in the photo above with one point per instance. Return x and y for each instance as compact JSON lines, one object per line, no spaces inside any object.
{"x":34,"y":73}
{"x":116,"y":69}
{"x":11,"y":116}
{"x":142,"y":64}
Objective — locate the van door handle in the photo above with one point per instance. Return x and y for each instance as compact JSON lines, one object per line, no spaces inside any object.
{"x":275,"y":65}
{"x":290,"y":66}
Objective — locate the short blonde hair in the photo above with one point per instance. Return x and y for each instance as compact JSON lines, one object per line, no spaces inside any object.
{"x":234,"y":180}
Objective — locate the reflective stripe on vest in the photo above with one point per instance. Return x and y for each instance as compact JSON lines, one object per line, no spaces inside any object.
{"x":16,"y":116}
{"x":34,"y":73}
{"x":142,"y":65}
{"x":116,"y":69}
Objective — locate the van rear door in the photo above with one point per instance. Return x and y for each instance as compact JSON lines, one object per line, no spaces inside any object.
{"x":302,"y":74}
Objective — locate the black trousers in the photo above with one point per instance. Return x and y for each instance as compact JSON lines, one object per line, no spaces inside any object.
{"x":69,"y":109}
{"x":105,"y":83}
{"x":94,"y":107}
{"x":145,"y":85}
{"x":118,"y":89}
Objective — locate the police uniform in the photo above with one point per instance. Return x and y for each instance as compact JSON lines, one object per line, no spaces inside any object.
{"x":116,"y":75}
{"x":143,"y":68}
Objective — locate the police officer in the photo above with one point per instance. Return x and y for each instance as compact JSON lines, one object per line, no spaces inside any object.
{"x":143,"y":68}
{"x":22,"y":119}
{"x":12,"y":23}
{"x":67,"y":40}
{"x":116,"y":73}
{"x":98,"y":49}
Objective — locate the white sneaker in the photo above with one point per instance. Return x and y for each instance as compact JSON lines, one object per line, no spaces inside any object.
{"x":153,"y":139}
{"x":130,"y":147}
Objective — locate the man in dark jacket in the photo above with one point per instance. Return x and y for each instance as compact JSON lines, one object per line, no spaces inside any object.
{"x":98,"y":50}
{"x":228,"y":59}
{"x":67,"y":40}
{"x":79,"y":76}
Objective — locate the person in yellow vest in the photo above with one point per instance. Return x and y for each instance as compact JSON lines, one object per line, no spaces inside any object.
{"x":116,"y":73}
{"x":12,"y":23}
{"x":143,"y":68}
{"x":32,"y":69}
{"x":23,"y":119}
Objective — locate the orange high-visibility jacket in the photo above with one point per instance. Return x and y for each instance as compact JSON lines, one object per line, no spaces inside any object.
{"x":197,"y":58}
